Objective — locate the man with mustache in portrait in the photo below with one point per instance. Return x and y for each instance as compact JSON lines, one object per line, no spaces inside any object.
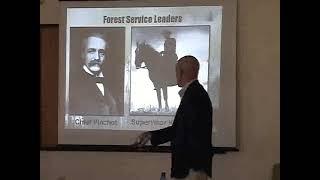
{"x":89,"y":95}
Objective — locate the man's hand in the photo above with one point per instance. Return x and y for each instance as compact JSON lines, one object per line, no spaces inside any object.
{"x":142,"y":139}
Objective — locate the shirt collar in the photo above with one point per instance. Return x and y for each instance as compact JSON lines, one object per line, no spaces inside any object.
{"x":184,"y":88}
{"x":85,"y":68}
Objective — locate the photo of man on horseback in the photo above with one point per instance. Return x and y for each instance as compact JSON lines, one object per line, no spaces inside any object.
{"x":155,"y":51}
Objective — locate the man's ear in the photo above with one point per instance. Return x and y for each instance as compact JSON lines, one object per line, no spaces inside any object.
{"x":181,"y":72}
{"x":106,"y":59}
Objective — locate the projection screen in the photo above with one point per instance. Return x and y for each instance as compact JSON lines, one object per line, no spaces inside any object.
{"x":130,"y":49}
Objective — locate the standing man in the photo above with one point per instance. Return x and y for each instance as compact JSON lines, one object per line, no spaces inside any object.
{"x":89,"y":94}
{"x":191,"y":131}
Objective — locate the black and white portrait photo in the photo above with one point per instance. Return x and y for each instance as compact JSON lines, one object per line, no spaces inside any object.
{"x":96,"y":67}
{"x":155,"y":51}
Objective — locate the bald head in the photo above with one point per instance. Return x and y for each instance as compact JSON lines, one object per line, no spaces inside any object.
{"x":187,"y":69}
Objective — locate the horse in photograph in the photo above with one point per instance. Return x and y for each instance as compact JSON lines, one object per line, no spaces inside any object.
{"x":161,"y":70}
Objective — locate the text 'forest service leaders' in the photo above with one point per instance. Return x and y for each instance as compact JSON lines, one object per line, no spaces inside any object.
{"x":141,"y":19}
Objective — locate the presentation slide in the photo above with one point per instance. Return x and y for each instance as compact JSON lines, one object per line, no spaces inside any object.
{"x":118,"y":68}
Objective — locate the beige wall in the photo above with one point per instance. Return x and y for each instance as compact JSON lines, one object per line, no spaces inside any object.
{"x":49,"y":12}
{"x":258,"y":93}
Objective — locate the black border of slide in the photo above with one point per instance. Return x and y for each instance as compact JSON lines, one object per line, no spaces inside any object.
{"x":126,"y":148}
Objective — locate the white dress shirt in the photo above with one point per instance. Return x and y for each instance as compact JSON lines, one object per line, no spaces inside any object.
{"x":184,"y":88}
